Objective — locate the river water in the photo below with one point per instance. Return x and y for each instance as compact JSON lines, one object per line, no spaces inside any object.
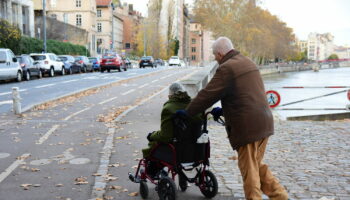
{"x":323,"y":78}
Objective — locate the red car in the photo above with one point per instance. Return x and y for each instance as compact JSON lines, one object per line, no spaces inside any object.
{"x":110,"y":62}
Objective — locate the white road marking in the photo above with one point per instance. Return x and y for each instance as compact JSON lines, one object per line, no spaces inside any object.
{"x":164,"y":77}
{"x":44,"y":137}
{"x":72,"y":115}
{"x":154,"y":81}
{"x":133,"y":73}
{"x":5,"y":102}
{"x":13,"y":166}
{"x":143,"y":85}
{"x":130,"y":91}
{"x":70,"y":81}
{"x":42,"y":86}
{"x":5,"y":93}
{"x":106,"y":101}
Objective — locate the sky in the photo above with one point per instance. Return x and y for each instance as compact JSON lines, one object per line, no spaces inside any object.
{"x":304,"y":16}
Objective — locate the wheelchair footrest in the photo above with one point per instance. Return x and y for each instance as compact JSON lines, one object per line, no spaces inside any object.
{"x":133,"y":178}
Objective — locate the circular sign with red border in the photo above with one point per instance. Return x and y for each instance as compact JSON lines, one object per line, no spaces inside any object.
{"x":349,"y":95}
{"x":273,"y":98}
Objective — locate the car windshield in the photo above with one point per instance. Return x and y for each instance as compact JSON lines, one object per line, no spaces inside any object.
{"x":19,"y":58}
{"x":145,"y":58}
{"x":92,"y":59}
{"x":108,"y":57}
{"x":174,"y":57}
{"x":63,"y":58}
{"x":149,"y":57}
{"x":78,"y":58}
{"x":39,"y":57}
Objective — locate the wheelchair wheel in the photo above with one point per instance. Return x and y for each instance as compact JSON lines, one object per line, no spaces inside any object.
{"x":143,"y":189}
{"x":182,"y":183}
{"x":209,"y":186}
{"x":166,"y":189}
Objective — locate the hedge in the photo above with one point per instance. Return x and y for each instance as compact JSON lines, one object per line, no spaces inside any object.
{"x":32,"y":45}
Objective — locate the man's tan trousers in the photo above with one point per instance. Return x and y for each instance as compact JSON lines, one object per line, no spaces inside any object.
{"x":257,"y":177}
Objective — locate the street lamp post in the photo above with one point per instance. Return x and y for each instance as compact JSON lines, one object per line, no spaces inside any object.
{"x":44,"y":23}
{"x":112,"y":48}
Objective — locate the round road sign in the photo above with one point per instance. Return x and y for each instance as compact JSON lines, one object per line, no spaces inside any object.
{"x":273,"y":98}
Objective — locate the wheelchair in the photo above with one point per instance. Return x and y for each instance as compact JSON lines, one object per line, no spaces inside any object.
{"x":189,"y":150}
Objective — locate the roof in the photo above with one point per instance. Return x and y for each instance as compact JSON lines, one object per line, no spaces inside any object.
{"x":103,"y":2}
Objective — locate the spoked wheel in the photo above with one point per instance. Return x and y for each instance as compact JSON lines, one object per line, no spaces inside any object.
{"x":166,"y":189}
{"x":143,"y":190}
{"x":209,"y":186}
{"x":182,"y":183}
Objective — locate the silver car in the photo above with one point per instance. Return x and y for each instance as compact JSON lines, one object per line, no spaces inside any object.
{"x":9,"y":66}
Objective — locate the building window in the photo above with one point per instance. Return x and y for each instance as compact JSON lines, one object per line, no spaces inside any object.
{"x":99,"y":14}
{"x":53,"y":3}
{"x":99,"y":27}
{"x":127,"y":45}
{"x":193,"y":49}
{"x":78,"y":3}
{"x":54,"y":16}
{"x":193,"y":57}
{"x":78,"y":20}
{"x":193,"y":41}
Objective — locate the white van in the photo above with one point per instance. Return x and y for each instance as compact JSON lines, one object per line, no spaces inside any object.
{"x":9,"y":66}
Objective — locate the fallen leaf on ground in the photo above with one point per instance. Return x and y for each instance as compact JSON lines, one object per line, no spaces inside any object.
{"x":133,"y":194}
{"x":59,"y":185}
{"x":26,"y":186}
{"x":233,"y":158}
{"x":81,"y":181}
{"x":116,"y":187}
{"x":125,"y":190}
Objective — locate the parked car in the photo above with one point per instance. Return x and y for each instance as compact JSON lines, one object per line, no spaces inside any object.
{"x":70,"y":64}
{"x":127,"y":62}
{"x":174,"y":60}
{"x":29,"y":69}
{"x":95,"y":63}
{"x":147,"y":61}
{"x":85,"y":63}
{"x":110,"y":62}
{"x":49,"y":63}
{"x":159,"y":62}
{"x":9,"y":66}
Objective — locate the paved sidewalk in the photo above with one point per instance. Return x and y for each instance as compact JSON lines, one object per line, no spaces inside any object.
{"x":311,"y":159}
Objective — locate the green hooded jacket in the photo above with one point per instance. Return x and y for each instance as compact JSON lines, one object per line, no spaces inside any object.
{"x":178,"y":101}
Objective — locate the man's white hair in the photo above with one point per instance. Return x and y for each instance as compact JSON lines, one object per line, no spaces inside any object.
{"x":175,"y":88}
{"x":222,"y":45}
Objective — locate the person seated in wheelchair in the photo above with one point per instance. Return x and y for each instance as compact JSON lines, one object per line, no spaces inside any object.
{"x":178,"y":99}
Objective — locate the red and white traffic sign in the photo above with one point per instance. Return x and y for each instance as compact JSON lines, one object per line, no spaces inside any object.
{"x":273,"y":98}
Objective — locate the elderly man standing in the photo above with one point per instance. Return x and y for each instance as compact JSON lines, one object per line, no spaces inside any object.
{"x":249,"y":121}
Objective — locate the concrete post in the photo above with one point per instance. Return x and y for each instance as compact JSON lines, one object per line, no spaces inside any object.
{"x":16,"y":100}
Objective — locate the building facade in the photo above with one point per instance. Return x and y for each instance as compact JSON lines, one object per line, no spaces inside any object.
{"x":109,"y":27}
{"x":19,"y":13}
{"x":201,"y":42}
{"x":320,"y":46}
{"x":79,"y":13}
{"x":131,"y":21}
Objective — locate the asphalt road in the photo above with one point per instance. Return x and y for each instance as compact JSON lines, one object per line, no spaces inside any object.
{"x":38,"y":91}
{"x":55,"y":152}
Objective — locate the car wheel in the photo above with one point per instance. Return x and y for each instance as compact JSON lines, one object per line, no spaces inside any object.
{"x":63,"y":71}
{"x":40,"y":74}
{"x":119,"y":69}
{"x":108,"y":70}
{"x":84,"y":70}
{"x":102,"y":71}
{"x":27,"y":75}
{"x":52,"y":72}
{"x":70,"y":71}
{"x":19,"y":76}
{"x":125,"y":69}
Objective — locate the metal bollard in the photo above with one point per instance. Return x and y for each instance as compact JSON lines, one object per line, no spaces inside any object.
{"x":16,"y":100}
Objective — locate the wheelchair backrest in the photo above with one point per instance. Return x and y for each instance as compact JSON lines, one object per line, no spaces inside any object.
{"x":186,"y":133}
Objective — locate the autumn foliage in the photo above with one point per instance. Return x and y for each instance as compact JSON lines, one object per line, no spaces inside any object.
{"x":253,"y":30}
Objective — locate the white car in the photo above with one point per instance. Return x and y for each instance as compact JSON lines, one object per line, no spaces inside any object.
{"x":174,"y":60}
{"x":49,"y":63}
{"x":9,"y":66}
